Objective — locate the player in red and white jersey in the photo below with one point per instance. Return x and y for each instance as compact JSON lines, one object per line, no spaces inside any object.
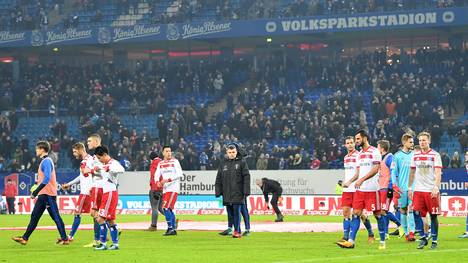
{"x":422,"y":225}
{"x":93,"y":142}
{"x":366,"y":184}
{"x":85,"y":181}
{"x":350,"y":165}
{"x":426,"y":171}
{"x":110,"y":171}
{"x":155,"y":193}
{"x":168,"y":174}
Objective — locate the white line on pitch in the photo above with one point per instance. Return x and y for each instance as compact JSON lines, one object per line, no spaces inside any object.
{"x":348,"y":258}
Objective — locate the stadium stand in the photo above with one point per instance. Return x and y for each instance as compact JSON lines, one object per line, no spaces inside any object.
{"x":24,"y":15}
{"x":292,"y":113}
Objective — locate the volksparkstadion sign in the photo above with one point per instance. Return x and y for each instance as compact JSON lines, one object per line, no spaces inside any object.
{"x":361,"y":22}
{"x":234,"y":29}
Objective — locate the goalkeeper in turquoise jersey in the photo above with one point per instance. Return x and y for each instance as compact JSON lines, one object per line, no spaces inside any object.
{"x":400,"y":178}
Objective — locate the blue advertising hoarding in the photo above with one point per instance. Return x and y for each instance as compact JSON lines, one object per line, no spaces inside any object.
{"x":24,"y":181}
{"x":453,"y":182}
{"x":183,"y":202}
{"x":231,"y":29}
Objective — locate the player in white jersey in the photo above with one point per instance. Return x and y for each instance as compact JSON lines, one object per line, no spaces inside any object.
{"x":168,"y":175}
{"x":85,"y":181}
{"x":110,"y":172}
{"x":422,"y":225}
{"x":96,"y":193}
{"x":350,"y":164}
{"x":366,"y":184}
{"x":426,"y":170}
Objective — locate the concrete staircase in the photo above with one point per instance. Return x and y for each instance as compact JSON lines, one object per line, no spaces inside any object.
{"x":455,"y":116}
{"x":447,"y":144}
{"x":133,"y":17}
{"x":221,"y":105}
{"x":55,"y":17}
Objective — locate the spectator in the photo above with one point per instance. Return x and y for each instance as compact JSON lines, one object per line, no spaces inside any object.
{"x":75,"y":21}
{"x":10,"y":193}
{"x":14,"y":166}
{"x":436,"y":134}
{"x":97,"y":17}
{"x":203,"y":161}
{"x":59,"y":128}
{"x":315,"y":163}
{"x":456,"y":161}
{"x":324,"y":164}
{"x":44,"y":19}
{"x":463,"y":140}
{"x":134,"y":108}
{"x":2,"y":164}
{"x":218,"y":84}
{"x":297,"y":163}
{"x":262,"y":162}
{"x":466,"y":162}
{"x":24,"y":142}
{"x":445,"y":160}
{"x":273,"y":162}
{"x":390,"y":107}
{"x":3,"y":206}
{"x":282,"y":164}
{"x":379,"y":131}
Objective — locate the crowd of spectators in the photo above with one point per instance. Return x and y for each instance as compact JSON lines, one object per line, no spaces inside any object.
{"x":293,"y":114}
{"x":29,"y":15}
{"x":386,"y":95}
{"x":187,"y":10}
{"x":223,"y":10}
{"x":98,"y":95}
{"x":329,"y":7}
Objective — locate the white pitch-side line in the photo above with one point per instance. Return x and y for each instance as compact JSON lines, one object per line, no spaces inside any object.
{"x":349,"y":258}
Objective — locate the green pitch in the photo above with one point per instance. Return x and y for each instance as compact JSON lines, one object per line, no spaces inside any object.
{"x":204,"y":246}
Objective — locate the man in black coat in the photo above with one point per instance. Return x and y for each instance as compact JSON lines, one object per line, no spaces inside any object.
{"x":233,"y":183}
{"x":271,"y":186}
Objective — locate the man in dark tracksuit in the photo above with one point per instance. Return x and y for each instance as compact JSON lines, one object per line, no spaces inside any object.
{"x":155,"y":193}
{"x":271,"y":186}
{"x":233,"y":183}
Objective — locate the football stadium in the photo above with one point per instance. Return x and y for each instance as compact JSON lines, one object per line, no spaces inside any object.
{"x":234,"y":130}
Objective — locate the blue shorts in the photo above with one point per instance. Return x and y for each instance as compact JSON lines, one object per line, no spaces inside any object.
{"x":404,"y":201}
